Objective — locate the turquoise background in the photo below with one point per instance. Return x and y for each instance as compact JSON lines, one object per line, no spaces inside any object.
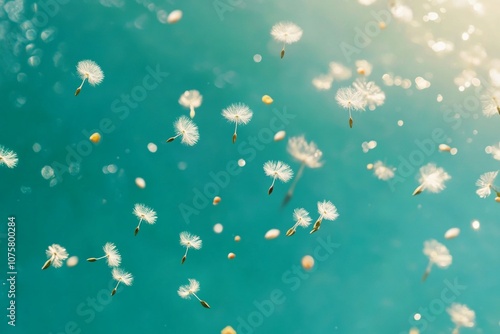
{"x":369,"y":283}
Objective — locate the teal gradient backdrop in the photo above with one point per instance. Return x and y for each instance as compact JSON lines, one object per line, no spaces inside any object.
{"x":369,"y":261}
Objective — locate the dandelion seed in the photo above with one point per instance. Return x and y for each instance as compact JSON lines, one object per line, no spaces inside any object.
{"x":174,"y":16}
{"x":323,"y":82}
{"x":277,"y":170}
{"x":372,"y":95}
{"x":191,"y":99}
{"x":485,"y":184}
{"x":189,"y":241}
{"x":280,"y":135}
{"x":143,"y":213}
{"x":494,"y":150}
{"x":307,"y":154}
{"x":438,"y":254}
{"x":272,"y":234}
{"x":228,"y":330}
{"x":301,"y":217}
{"x":90,"y":71}
{"x":382,"y":172}
{"x":267,"y":99}
{"x":56,"y":255}
{"x":122,"y":277}
{"x":452,"y":233}
{"x":431,"y":179}
{"x":95,"y":137}
{"x":185,"y":128}
{"x":8,"y":157}
{"x":185,"y":291}
{"x":286,"y":32}
{"x":237,"y":113}
{"x":111,"y":255}
{"x":462,"y":316}
{"x":307,"y":262}
{"x":327,"y":211}
{"x":490,"y":104}
{"x":351,"y":99}
{"x":339,"y":71}
{"x":363,"y":67}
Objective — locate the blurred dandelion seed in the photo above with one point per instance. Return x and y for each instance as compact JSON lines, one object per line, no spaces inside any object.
{"x":56,"y":255}
{"x":286,"y":32}
{"x":307,"y":154}
{"x":444,"y":148}
{"x":372,"y":94}
{"x":111,"y":255}
{"x":89,"y":71}
{"x":189,"y":241}
{"x":191,"y":99}
{"x":351,"y":99}
{"x":382,"y":172}
{"x":438,"y":254}
{"x":301,"y":217}
{"x":326,"y":211}
{"x":8,"y":157}
{"x":187,"y":129}
{"x":122,"y":277}
{"x":143,"y":213}
{"x":339,"y":71}
{"x":490,"y":104}
{"x":485,"y":184}
{"x":462,"y":316}
{"x":323,"y":82}
{"x":237,"y":113}
{"x":431,"y":179}
{"x":452,"y":233}
{"x":363,"y":67}
{"x":185,"y":291}
{"x":277,"y":170}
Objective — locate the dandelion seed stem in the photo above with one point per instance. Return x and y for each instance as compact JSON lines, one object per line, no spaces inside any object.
{"x":138,"y":227}
{"x":418,"y":190}
{"x":294,"y":183}
{"x":116,"y":288}
{"x":317,"y":225}
{"x":93,"y":259}
{"x":47,"y":263}
{"x":427,"y":271}
{"x":80,"y":88}
{"x":235,"y":130}
{"x":194,"y":294}
{"x":173,"y":138}
{"x":191,"y":111}
{"x":290,"y":232}
{"x":271,"y":188}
